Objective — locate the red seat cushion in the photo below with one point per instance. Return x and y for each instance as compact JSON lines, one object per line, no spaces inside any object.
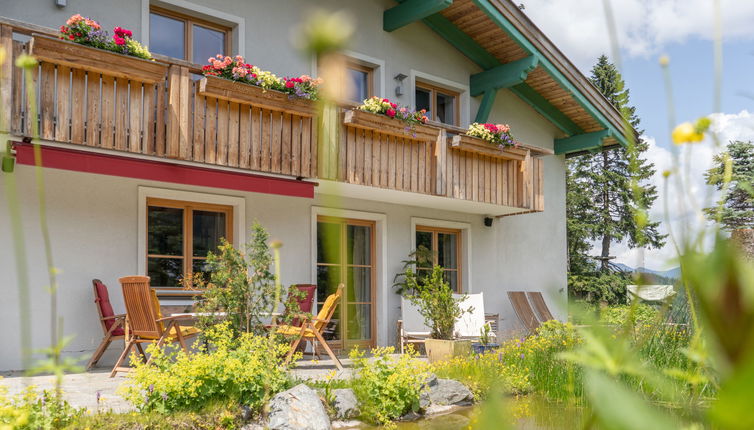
{"x":103,"y":301}
{"x":304,"y":302}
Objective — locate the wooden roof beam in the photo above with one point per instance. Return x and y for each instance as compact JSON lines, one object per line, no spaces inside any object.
{"x":502,"y":76}
{"x":582,"y":142}
{"x":411,"y":11}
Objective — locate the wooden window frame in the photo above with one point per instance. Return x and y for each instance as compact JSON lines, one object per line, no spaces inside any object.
{"x":351,"y":64}
{"x":435,"y":250}
{"x":433,"y":90}
{"x":188,"y":32}
{"x":343,"y":342}
{"x":188,"y":208}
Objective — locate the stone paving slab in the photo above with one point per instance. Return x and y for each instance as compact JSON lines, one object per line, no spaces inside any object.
{"x":80,"y":389}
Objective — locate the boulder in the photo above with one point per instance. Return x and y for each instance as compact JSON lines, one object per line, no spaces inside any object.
{"x":298,"y":409}
{"x":449,"y":392}
{"x":345,"y":404}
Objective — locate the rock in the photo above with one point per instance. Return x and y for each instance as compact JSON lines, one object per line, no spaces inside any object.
{"x":253,"y":426}
{"x":347,"y":424}
{"x":438,"y":409}
{"x":411,"y":416}
{"x":298,"y":409}
{"x":245,"y":413}
{"x":450,"y":392}
{"x":345,"y":404}
{"x":424,"y":399}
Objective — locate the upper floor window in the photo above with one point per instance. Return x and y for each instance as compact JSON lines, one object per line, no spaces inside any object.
{"x":362,"y":81}
{"x":179,"y":236}
{"x":185,"y":37}
{"x":441,"y":104}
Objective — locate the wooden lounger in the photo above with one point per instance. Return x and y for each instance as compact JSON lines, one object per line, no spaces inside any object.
{"x":523,"y":309}
{"x":540,"y":306}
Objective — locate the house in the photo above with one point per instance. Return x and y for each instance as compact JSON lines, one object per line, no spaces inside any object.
{"x":145,"y":172}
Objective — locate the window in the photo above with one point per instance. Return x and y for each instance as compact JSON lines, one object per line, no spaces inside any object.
{"x":362,"y":78}
{"x":445,"y":247}
{"x":179,"y":236}
{"x":182,"y":36}
{"x":441,"y":104}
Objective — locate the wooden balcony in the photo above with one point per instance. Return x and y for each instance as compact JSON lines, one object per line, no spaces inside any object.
{"x":96,"y":99}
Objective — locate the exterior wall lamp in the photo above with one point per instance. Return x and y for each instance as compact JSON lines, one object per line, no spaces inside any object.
{"x":400,"y":77}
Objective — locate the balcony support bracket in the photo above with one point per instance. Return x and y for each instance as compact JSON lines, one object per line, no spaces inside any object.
{"x":502,"y":76}
{"x":581,"y":142}
{"x":486,"y":106}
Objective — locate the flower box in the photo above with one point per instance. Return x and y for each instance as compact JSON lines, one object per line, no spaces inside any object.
{"x":466,"y":143}
{"x":65,"y":53}
{"x":382,"y":124}
{"x":239,"y":92}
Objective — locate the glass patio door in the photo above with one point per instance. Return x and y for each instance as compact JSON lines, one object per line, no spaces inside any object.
{"x":345,"y":253}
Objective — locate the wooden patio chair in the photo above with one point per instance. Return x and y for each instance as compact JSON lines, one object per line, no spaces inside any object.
{"x":113,"y":326}
{"x":540,"y":306}
{"x":311,"y":329}
{"x":523,"y":310}
{"x":144,"y":321}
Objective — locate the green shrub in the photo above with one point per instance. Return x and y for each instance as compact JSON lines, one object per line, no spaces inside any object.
{"x":241,"y":284}
{"x":387,"y":387}
{"x":607,"y":288}
{"x":484,"y":373}
{"x":31,"y":410}
{"x":433,"y":297}
{"x":636,"y":315}
{"x":246,"y":370}
{"x":211,"y":418}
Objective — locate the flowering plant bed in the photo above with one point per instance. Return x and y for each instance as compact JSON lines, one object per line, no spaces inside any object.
{"x":496,"y":134}
{"x":392,"y":110}
{"x":236,"y":69}
{"x":381,"y":123}
{"x":85,"y":31}
{"x":71,"y":54}
{"x":466,"y":143}
{"x":255,"y":95}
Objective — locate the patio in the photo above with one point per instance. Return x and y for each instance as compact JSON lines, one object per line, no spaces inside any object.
{"x":80,"y":389}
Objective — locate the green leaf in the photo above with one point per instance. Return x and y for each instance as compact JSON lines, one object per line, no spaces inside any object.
{"x":733,"y":409}
{"x":619,"y":408}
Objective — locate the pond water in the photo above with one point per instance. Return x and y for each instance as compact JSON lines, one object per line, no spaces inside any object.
{"x":524,"y":413}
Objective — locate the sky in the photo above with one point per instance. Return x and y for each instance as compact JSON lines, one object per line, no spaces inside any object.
{"x":683,"y":30}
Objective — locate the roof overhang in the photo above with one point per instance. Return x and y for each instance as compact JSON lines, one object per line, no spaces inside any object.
{"x":514,"y":54}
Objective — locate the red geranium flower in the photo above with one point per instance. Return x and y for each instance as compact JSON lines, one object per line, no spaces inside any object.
{"x":119,"y":40}
{"x":390,"y":113}
{"x":289,"y":84}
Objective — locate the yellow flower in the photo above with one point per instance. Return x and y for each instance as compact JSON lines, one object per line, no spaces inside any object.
{"x":686,"y":133}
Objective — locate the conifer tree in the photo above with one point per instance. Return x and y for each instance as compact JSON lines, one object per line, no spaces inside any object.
{"x":736,"y":206}
{"x":606,"y":188}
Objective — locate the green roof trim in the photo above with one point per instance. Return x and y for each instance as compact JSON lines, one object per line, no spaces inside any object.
{"x":411,"y":11}
{"x":502,"y":76}
{"x":582,"y":142}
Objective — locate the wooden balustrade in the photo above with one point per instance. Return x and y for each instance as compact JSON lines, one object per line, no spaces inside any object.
{"x":167,"y":111}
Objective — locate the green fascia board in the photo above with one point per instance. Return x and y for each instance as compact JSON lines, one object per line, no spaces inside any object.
{"x":411,"y":11}
{"x":486,"y":106}
{"x":582,"y":142}
{"x":461,"y":41}
{"x":546,"y":109}
{"x":502,"y":76}
{"x":524,"y":43}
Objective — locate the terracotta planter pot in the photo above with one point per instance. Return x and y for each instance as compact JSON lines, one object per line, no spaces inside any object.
{"x":442,"y":350}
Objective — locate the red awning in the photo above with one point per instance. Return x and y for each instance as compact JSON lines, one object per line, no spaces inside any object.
{"x":128,"y":167}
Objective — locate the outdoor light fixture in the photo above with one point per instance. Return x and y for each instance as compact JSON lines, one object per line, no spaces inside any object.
{"x":399,"y":88}
{"x":61,"y":3}
{"x":488,"y":221}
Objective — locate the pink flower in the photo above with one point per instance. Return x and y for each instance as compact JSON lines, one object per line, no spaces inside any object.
{"x":289,"y":84}
{"x":118,"y":40}
{"x":390,"y":113}
{"x":393,"y":105}
{"x":385,"y":101}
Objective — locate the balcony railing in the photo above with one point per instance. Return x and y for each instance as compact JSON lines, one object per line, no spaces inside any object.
{"x":103,"y":100}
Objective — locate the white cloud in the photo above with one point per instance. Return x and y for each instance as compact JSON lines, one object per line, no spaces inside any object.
{"x":684,"y":205}
{"x":643,"y":27}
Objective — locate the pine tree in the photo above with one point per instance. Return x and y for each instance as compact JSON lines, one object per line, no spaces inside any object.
{"x":605,"y":189}
{"x":736,"y":206}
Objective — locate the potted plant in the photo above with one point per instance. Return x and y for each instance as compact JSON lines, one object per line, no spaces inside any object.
{"x":485,"y":343}
{"x":433,"y":297}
